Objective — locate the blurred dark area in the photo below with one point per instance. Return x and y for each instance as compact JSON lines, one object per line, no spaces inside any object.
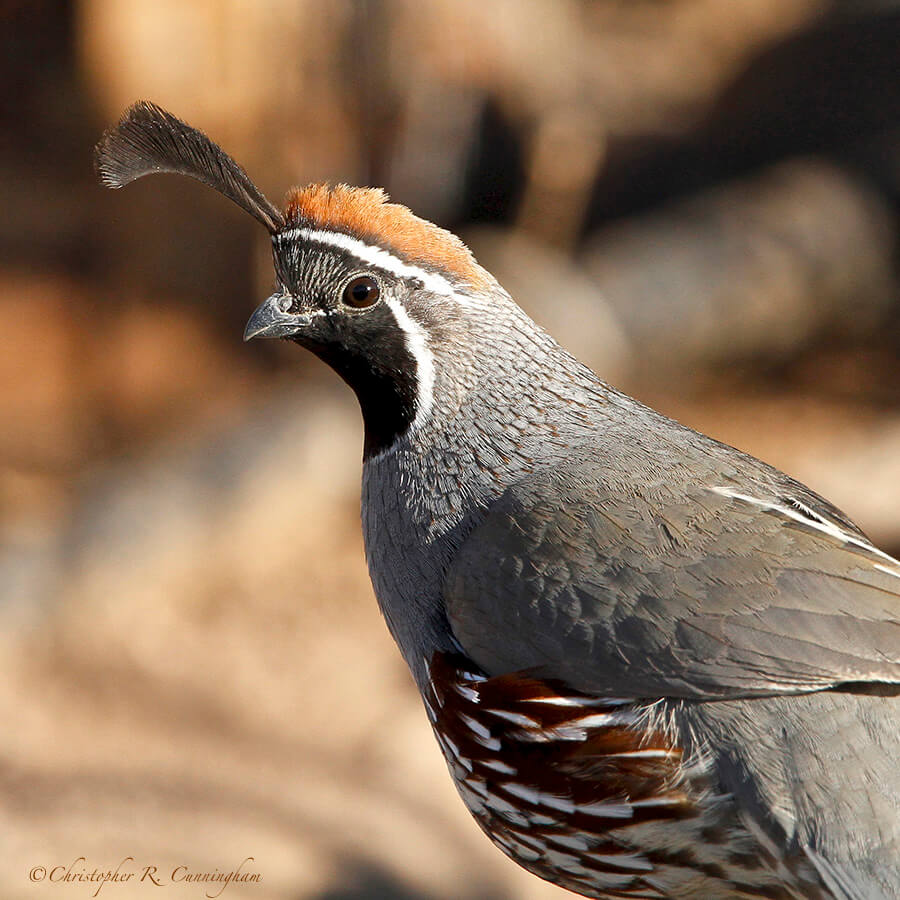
{"x":701,"y":199}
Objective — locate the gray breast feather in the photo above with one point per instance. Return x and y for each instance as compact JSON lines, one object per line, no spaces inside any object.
{"x":694,"y":590}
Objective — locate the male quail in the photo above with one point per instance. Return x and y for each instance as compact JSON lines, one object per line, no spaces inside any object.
{"x":656,"y":666}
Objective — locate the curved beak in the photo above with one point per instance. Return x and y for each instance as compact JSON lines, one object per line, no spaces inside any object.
{"x":270,"y":320}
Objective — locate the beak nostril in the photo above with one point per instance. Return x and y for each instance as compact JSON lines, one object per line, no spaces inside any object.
{"x":273,"y":319}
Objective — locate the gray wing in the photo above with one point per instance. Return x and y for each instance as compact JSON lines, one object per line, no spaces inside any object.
{"x":674,"y":587}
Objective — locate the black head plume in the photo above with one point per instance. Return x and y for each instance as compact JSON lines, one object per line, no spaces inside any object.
{"x":149,"y":140}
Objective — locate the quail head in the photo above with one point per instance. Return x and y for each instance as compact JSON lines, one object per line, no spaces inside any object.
{"x":656,"y":666}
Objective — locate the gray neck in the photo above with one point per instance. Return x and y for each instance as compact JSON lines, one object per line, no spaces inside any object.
{"x":490,"y":424}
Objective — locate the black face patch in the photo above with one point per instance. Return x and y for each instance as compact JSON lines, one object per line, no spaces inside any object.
{"x":366,"y":347}
{"x":372,"y":356}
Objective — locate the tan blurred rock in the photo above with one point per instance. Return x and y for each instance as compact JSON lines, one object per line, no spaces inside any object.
{"x":758,"y":267}
{"x":40,"y":369}
{"x":75,"y":366}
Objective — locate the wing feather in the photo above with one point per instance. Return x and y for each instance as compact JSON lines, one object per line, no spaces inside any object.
{"x":649,"y":591}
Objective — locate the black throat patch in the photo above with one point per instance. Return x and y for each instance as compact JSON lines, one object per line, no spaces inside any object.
{"x":373,"y":357}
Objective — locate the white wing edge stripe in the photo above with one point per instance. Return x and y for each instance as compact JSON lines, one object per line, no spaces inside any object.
{"x":825,"y":527}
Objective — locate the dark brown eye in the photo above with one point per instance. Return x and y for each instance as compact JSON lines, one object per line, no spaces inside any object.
{"x":362,"y":292}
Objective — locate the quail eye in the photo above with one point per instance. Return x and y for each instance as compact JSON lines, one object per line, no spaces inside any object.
{"x":362,"y":292}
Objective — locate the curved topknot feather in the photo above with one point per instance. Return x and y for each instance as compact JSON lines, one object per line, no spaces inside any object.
{"x":149,"y":140}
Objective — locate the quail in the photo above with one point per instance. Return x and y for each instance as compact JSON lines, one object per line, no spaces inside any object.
{"x":656,"y":666}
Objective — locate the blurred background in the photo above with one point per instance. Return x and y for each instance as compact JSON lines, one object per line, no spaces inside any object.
{"x":699,"y":197}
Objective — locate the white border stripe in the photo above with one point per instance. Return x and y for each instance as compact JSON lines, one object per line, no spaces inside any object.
{"x":826,"y":527}
{"x":375,"y":256}
{"x":417,"y":344}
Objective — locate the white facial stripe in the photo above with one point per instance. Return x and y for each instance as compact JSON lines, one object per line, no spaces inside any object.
{"x":417,"y":344}
{"x":828,"y":528}
{"x":416,"y":337}
{"x":376,"y":256}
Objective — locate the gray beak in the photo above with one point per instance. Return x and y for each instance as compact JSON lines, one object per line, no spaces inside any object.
{"x":270,"y":319}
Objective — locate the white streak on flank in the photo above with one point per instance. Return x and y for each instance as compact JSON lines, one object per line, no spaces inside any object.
{"x":628,"y":861}
{"x":450,"y":747}
{"x":529,"y":795}
{"x":475,"y":725}
{"x":659,"y":801}
{"x":578,"y":702}
{"x":530,"y":839}
{"x":470,"y":798}
{"x":571,"y":841}
{"x":471,"y":676}
{"x":482,"y":735}
{"x":521,"y":851}
{"x":498,"y":766}
{"x":468,"y":692}
{"x":562,"y":733}
{"x":522,"y":791}
{"x":378,"y":257}
{"x":645,"y":754}
{"x":458,"y":771}
{"x":566,"y":862}
{"x":828,"y":528}
{"x":578,"y":729}
{"x":600,"y":720}
{"x":607,"y":810}
{"x":514,"y":717}
{"x":539,"y":819}
{"x":507,"y":810}
{"x":478,"y":786}
{"x":430,"y":678}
